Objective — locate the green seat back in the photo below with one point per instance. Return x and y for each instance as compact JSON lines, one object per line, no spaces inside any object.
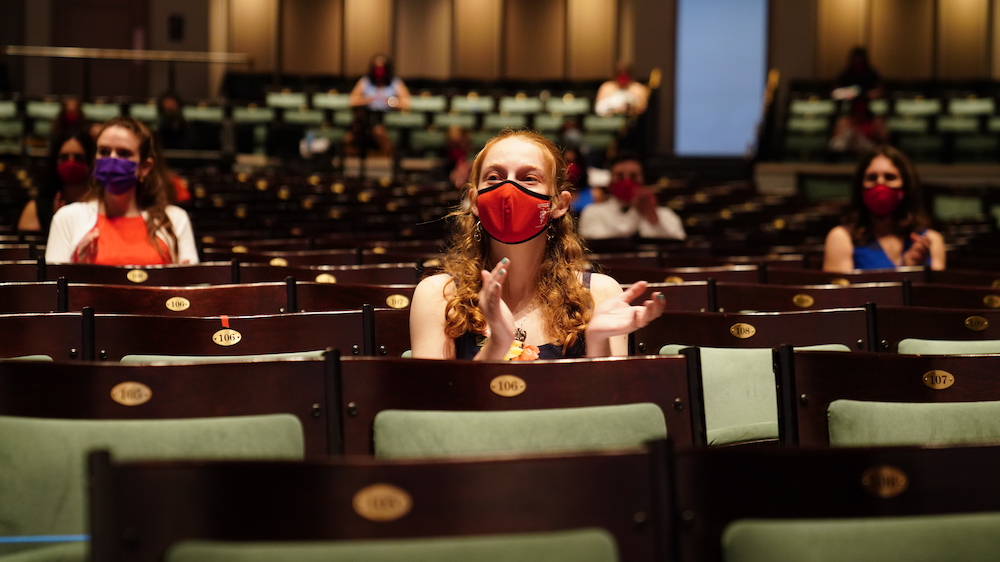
{"x":915,"y":346}
{"x":956,"y":538}
{"x":854,"y":423}
{"x":409,"y":433}
{"x":584,"y":545}
{"x":738,"y":384}
{"x":42,"y":461}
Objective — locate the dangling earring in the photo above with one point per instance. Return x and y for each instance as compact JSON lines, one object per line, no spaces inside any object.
{"x":477,"y":232}
{"x":552,"y":231}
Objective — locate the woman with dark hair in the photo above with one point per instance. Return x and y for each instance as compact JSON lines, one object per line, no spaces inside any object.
{"x":68,"y":171}
{"x":516,"y":285}
{"x":125,"y":217}
{"x":886,"y":226}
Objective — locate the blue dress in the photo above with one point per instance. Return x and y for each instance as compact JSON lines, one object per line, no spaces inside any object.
{"x":872,"y":256}
{"x":467,"y":345}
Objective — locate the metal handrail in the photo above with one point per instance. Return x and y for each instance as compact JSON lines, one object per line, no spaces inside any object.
{"x":127,"y":54}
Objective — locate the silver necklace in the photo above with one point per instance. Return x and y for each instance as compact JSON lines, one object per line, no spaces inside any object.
{"x":519,"y":333}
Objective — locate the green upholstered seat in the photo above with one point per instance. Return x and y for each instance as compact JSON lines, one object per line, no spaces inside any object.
{"x":410,"y":433}
{"x":584,"y":545}
{"x":956,"y":538}
{"x":42,"y":461}
{"x":219,"y":358}
{"x":738,"y":384}
{"x":78,"y":551}
{"x":27,"y":358}
{"x":914,"y":346}
{"x":854,"y":423}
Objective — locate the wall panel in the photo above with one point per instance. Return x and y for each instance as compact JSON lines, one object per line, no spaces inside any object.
{"x":367,"y":32}
{"x":252,"y":31}
{"x":963,"y":50}
{"x":590,"y":38}
{"x":842,"y":25}
{"x":902,"y":38}
{"x":312,"y":36}
{"x":423,"y":38}
{"x":476,"y":48}
{"x":535,"y":39}
{"x":191,"y":78}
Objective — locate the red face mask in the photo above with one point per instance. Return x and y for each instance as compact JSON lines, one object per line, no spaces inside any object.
{"x":72,"y":172}
{"x":623,"y":79}
{"x":379,"y":73}
{"x":624,"y":190}
{"x":882,"y":200}
{"x":511,"y":213}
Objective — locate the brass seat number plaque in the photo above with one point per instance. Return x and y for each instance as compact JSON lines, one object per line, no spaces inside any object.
{"x":742,"y":330}
{"x":131,"y":393}
{"x":977,"y":323}
{"x":803,"y":300}
{"x":397,"y":301}
{"x":137,"y":276}
{"x":508,"y":386}
{"x":382,"y":502}
{"x":884,"y":481}
{"x":938,"y":380}
{"x":227,"y":337}
{"x":178,"y":304}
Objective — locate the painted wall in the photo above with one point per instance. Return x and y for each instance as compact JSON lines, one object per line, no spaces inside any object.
{"x":534,"y":39}
{"x":423,"y":38}
{"x":191,"y":79}
{"x":311,"y":39}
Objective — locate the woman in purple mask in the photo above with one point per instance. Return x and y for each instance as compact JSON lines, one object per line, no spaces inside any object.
{"x":70,"y":157}
{"x":886,"y":226}
{"x":515,"y":285}
{"x":125,"y":218}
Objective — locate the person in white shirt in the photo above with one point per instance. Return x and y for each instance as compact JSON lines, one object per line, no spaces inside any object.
{"x":632,"y":209}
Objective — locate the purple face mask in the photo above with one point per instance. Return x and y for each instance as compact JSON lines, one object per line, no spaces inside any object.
{"x":117,"y":175}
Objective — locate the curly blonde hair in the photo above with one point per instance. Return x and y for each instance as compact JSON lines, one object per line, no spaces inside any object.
{"x":566,"y":305}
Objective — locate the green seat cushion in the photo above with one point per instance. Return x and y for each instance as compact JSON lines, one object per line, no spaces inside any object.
{"x":219,"y":358}
{"x":27,"y":358}
{"x":956,"y":538}
{"x":915,"y":346}
{"x":42,"y":461}
{"x":68,"y":552}
{"x":409,"y":433}
{"x":584,"y":545}
{"x":738,"y":383}
{"x":854,"y":423}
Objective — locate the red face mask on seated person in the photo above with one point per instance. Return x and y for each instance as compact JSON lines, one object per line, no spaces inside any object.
{"x":882,"y":200}
{"x":624,"y":190}
{"x":73,"y":172}
{"x":511,"y":213}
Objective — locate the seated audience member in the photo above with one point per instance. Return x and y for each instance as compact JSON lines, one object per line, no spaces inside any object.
{"x":886,"y":225}
{"x":172,"y":129}
{"x":578,"y":173}
{"x":860,"y":131}
{"x":622,"y":95}
{"x":67,"y":174}
{"x":374,"y":94}
{"x":515,"y":285}
{"x":125,"y":217}
{"x":631,"y":209}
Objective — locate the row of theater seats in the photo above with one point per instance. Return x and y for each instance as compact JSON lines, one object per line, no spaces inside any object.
{"x":276,"y":127}
{"x":931,"y":126}
{"x":657,"y":504}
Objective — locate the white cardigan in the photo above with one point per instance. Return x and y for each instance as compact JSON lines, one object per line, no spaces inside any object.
{"x":73,"y":221}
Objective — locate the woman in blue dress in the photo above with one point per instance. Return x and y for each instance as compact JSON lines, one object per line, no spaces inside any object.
{"x":887,"y":226}
{"x":376,"y":93}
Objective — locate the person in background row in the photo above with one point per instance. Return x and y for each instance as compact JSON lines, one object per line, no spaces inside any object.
{"x":69,"y":119}
{"x":516,"y":285}
{"x":374,"y":94}
{"x":67,"y":175}
{"x":886,"y":226}
{"x":622,"y":95}
{"x":632,"y":208}
{"x":860,"y":131}
{"x":172,"y":129}
{"x":125,"y":217}
{"x":578,"y":174}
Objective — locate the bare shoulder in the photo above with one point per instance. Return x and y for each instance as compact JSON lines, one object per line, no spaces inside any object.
{"x":435,"y":286}
{"x":839,"y":234}
{"x":934,"y":236}
{"x":603,"y":286}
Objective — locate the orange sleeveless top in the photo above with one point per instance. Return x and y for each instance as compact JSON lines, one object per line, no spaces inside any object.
{"x":124,"y":241}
